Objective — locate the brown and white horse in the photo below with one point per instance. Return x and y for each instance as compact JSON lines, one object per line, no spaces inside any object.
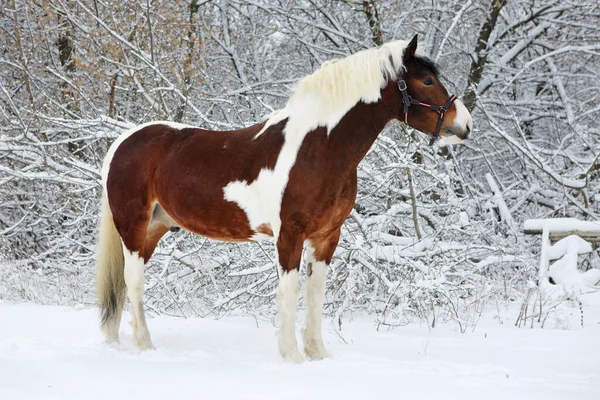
{"x":291,"y":177}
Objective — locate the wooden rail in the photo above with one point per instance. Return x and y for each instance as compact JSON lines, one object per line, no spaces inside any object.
{"x":555,"y":229}
{"x":555,"y":236}
{"x":560,"y":228}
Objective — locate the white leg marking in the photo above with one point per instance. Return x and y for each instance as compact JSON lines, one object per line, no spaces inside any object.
{"x":134,"y":279}
{"x":315,"y":298}
{"x":287,"y":299}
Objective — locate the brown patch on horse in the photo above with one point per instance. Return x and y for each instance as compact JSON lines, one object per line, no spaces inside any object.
{"x":322,"y":185}
{"x":155,"y":231}
{"x":265,"y":229}
{"x":185,"y":170}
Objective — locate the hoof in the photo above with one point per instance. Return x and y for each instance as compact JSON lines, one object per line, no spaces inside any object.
{"x":142,"y":341}
{"x":314,"y":348}
{"x":315,"y":354}
{"x":111,"y":340}
{"x":293,"y":357}
{"x":143,"y":345}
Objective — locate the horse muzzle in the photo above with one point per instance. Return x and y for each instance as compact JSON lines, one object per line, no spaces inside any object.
{"x":460,"y":130}
{"x":461,"y":134}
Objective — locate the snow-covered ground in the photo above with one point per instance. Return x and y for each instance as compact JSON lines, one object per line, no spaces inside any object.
{"x":57,"y":353}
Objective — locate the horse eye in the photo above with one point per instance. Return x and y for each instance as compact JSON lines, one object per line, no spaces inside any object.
{"x":428,"y":82}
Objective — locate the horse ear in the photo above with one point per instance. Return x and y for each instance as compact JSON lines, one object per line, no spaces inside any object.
{"x":411,"y":49}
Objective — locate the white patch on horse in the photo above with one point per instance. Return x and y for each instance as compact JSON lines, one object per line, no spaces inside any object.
{"x":134,"y":279}
{"x":462,"y":121}
{"x":261,"y":199}
{"x":315,"y":298}
{"x":126,"y":134}
{"x":287,"y":299}
{"x":463,"y":118}
{"x":320,"y":99}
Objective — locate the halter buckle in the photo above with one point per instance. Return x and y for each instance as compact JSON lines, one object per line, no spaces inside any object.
{"x":402,"y":85}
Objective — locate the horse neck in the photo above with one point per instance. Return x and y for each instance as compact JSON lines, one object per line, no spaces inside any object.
{"x":356,"y":132}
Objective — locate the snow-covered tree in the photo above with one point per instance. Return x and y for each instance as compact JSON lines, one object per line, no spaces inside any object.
{"x":435,"y":234}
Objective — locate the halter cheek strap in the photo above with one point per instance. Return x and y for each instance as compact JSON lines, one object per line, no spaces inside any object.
{"x":407,"y":101}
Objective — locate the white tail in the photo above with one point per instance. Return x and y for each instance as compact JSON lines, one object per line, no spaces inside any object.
{"x":110,"y":282}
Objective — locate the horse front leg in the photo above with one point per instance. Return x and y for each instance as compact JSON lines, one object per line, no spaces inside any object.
{"x":318,"y":257}
{"x":289,"y":253}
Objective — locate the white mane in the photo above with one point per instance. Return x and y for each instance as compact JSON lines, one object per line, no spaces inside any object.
{"x":324,"y":97}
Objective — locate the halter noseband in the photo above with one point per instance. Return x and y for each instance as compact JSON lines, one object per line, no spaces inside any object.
{"x":441,"y":110}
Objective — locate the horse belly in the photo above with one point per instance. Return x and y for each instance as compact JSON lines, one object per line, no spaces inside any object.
{"x":203,"y":209}
{"x":216,"y":219}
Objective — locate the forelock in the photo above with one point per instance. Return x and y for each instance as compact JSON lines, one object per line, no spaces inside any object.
{"x":428,"y":64}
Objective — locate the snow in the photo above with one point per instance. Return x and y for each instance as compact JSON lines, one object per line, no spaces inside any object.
{"x":49,"y":352}
{"x":566,"y":250}
{"x":564,"y":271}
{"x":498,"y":200}
{"x":570,"y":244}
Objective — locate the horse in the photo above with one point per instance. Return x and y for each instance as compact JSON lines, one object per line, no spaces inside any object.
{"x":292,"y":178}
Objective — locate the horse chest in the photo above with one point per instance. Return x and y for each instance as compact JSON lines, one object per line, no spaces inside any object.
{"x":316,"y":204}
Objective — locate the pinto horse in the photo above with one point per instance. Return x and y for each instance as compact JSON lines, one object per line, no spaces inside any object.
{"x":292,"y":177}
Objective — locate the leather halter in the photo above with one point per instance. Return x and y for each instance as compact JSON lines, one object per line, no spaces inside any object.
{"x":441,"y":110}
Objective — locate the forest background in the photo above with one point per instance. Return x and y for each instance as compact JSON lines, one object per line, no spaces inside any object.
{"x":436,"y":233}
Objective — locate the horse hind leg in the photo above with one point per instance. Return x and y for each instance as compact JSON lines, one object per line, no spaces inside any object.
{"x":134,"y":279}
{"x":160,"y":224}
{"x":134,"y":275}
{"x":156,"y":230}
{"x":134,"y":254}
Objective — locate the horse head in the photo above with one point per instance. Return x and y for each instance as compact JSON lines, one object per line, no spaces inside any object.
{"x":424,"y":101}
